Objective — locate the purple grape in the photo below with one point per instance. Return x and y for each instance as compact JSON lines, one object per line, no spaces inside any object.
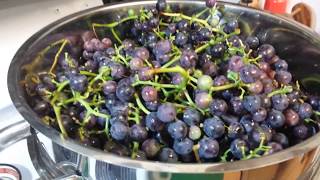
{"x":168,"y":155}
{"x":214,"y":127}
{"x":280,"y":102}
{"x":281,"y":139}
{"x":191,"y":116}
{"x":188,"y":59}
{"x":235,"y":63}
{"x":275,"y":147}
{"x":281,"y":65}
{"x":203,"y":100}
{"x":275,"y":119}
{"x":305,"y":111}
{"x":78,"y":82}
{"x":109,"y":87}
{"x":238,"y":147}
{"x":218,"y":107}
{"x":151,"y":147}
{"x":166,"y":112}
{"x":211,"y":3}
{"x":267,"y":52}
{"x":300,"y":131}
{"x":153,"y":123}
{"x":209,"y":68}
{"x":253,"y":42}
{"x":149,"y":93}
{"x":260,"y":115}
{"x":178,"y":130}
{"x":283,"y":77}
{"x":208,"y":148}
{"x":252,"y":103}
{"x":138,"y":133}
{"x":183,"y":147}
{"x":119,"y":131}
{"x":235,"y":130}
{"x":136,"y":64}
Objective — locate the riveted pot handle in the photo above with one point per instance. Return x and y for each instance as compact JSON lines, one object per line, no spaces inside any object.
{"x":11,"y":130}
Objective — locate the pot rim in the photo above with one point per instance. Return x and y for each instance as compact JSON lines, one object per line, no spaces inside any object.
{"x":16,"y":94}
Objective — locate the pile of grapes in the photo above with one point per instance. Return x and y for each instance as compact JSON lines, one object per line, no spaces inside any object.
{"x":176,"y":88}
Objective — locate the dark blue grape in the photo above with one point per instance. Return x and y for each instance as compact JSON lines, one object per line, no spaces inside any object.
{"x":252,"y":103}
{"x":267,"y":52}
{"x":204,"y":34}
{"x":314,"y":101}
{"x":138,"y":133}
{"x":280,"y":102}
{"x":125,"y":92}
{"x":117,"y":70}
{"x":239,"y":148}
{"x":153,"y":22}
{"x":78,"y":82}
{"x":305,"y":110}
{"x":152,"y":105}
{"x":166,"y":112}
{"x":281,"y":139}
{"x":275,"y":119}
{"x":191,"y":116}
{"x":151,"y":147}
{"x":183,"y":147}
{"x":181,"y":39}
{"x":231,"y":26}
{"x":281,"y":65}
{"x":119,"y":131}
{"x":183,"y":25}
{"x":208,"y":148}
{"x":259,"y":115}
{"x":217,"y":50}
{"x":236,"y":105}
{"x":235,"y":41}
{"x":283,"y":77}
{"x":214,"y":127}
{"x":162,"y":47}
{"x":229,"y":119}
{"x":262,"y":132}
{"x":188,"y":59}
{"x":161,"y":5}
{"x":218,"y":107}
{"x":163,"y":58}
{"x":249,"y":73}
{"x":247,"y":122}
{"x":178,"y":130}
{"x":235,"y":130}
{"x":153,"y":123}
{"x":300,"y":131}
{"x":120,"y":118}
{"x":168,"y":155}
{"x":274,"y":147}
{"x":253,"y":42}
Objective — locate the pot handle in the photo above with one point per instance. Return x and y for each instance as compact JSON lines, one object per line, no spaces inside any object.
{"x":11,"y":130}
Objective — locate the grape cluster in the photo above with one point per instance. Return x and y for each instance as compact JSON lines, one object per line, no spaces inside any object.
{"x":176,"y":88}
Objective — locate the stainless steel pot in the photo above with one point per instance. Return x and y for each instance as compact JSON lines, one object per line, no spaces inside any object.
{"x":297,"y":44}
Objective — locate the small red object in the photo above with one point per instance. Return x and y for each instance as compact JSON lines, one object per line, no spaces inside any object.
{"x":276,"y":6}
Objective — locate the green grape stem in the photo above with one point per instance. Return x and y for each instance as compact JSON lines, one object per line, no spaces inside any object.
{"x":195,"y":149}
{"x":316,"y":113}
{"x":55,"y":61}
{"x":134,"y":150}
{"x":283,"y":90}
{"x":225,"y":155}
{"x":140,"y":105}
